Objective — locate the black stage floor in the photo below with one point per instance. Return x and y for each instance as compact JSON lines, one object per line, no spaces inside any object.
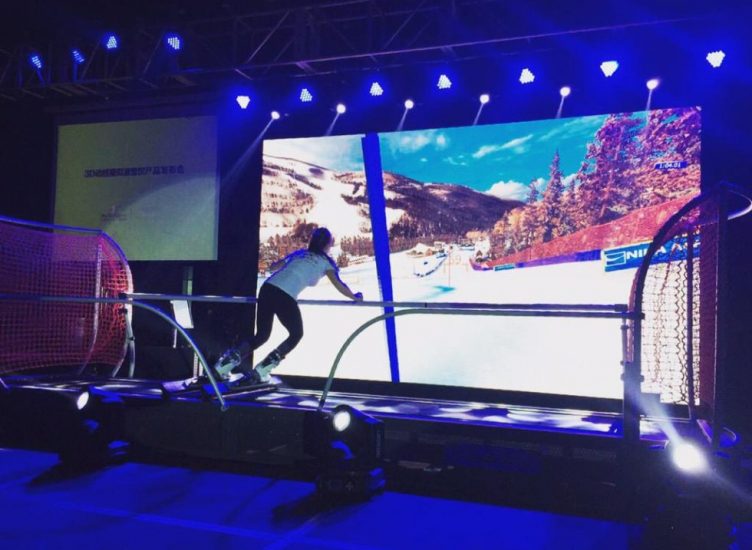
{"x":419,"y":412}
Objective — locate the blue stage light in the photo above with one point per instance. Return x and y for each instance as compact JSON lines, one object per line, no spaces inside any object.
{"x":609,"y":67}
{"x":111,"y":42}
{"x":341,"y":108}
{"x":716,"y":58}
{"x":526,"y":76}
{"x":484,"y":98}
{"x":376,"y":89}
{"x":443,"y":83}
{"x":652,"y":84}
{"x":275,"y":115}
{"x":565,"y":91}
{"x":35,"y":60}
{"x":78,"y":57}
{"x":243,"y":101}
{"x":409,"y":104}
{"x":305,"y":95}
{"x":173,"y":40}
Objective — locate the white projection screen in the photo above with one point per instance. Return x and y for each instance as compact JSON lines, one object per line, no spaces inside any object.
{"x":152,"y":184}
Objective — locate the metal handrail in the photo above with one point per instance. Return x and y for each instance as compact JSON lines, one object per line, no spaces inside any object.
{"x":623,"y":315}
{"x":127,"y":301}
{"x":373,"y":303}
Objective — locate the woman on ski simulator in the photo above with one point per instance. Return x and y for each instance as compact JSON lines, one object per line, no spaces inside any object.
{"x":278,"y":296}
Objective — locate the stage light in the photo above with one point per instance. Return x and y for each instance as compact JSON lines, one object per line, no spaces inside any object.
{"x":409,"y":104}
{"x":526,"y":76}
{"x":111,"y":42}
{"x":173,"y":40}
{"x":78,"y":57}
{"x":349,"y":445}
{"x":376,"y":89}
{"x":341,"y":108}
{"x":484,"y":98}
{"x":565,"y":91}
{"x":306,"y":96}
{"x":341,"y":420}
{"x":716,"y":58}
{"x":82,"y":400}
{"x":609,"y":67}
{"x":443,"y":83}
{"x":652,"y":84}
{"x":243,"y":101}
{"x":275,"y":115}
{"x":688,"y":458}
{"x":344,"y":434}
{"x":36,"y":61}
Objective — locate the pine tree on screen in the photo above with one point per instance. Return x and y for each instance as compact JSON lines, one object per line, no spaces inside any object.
{"x":552,"y":201}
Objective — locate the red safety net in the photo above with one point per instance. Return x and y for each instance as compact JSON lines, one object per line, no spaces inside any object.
{"x":679,"y":303}
{"x":46,"y":261}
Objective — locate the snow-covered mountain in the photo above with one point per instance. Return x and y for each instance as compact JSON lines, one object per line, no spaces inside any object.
{"x":439,"y":208}
{"x":294,"y":191}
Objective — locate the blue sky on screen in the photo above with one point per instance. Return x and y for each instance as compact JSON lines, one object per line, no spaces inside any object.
{"x":501,"y":159}
{"x":339,"y":153}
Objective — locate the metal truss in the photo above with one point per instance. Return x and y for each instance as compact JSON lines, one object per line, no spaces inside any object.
{"x":292,"y":41}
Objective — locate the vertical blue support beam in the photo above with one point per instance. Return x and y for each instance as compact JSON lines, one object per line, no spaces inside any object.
{"x":376,"y":205}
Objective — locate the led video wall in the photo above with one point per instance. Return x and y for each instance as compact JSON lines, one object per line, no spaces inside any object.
{"x":309,"y":183}
{"x":550,"y":211}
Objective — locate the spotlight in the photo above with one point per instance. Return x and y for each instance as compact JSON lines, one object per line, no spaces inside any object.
{"x":443,"y":83}
{"x":526,"y":76}
{"x":341,"y":108}
{"x":243,"y":101}
{"x":341,"y":420}
{"x":35,"y":60}
{"x":409,"y":104}
{"x":306,"y":96}
{"x":609,"y":68}
{"x":689,"y":458}
{"x":78,"y":57}
{"x":173,"y":40}
{"x":70,"y":423}
{"x":565,"y":91}
{"x":376,"y":89}
{"x":652,"y":84}
{"x":349,"y":445}
{"x":82,"y":400}
{"x":275,"y":115}
{"x":111,"y":42}
{"x":716,"y":58}
{"x":344,"y":434}
{"x":484,"y":98}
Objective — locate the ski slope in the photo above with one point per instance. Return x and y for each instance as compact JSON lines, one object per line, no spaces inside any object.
{"x":551,"y":355}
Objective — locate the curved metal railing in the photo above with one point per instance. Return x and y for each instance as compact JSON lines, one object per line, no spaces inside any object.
{"x":602,"y":311}
{"x":128,"y":301}
{"x":633,"y":365}
{"x":498,"y":310}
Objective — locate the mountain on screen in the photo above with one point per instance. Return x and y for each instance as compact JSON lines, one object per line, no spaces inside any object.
{"x":296,"y":194}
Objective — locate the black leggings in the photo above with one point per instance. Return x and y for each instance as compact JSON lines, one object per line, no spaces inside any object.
{"x":275,"y":301}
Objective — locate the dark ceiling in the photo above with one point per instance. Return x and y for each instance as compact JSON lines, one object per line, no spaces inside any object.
{"x":35,"y":21}
{"x":232,"y":42}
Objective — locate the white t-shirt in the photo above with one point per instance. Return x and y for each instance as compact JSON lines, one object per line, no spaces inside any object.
{"x":301,"y":269}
